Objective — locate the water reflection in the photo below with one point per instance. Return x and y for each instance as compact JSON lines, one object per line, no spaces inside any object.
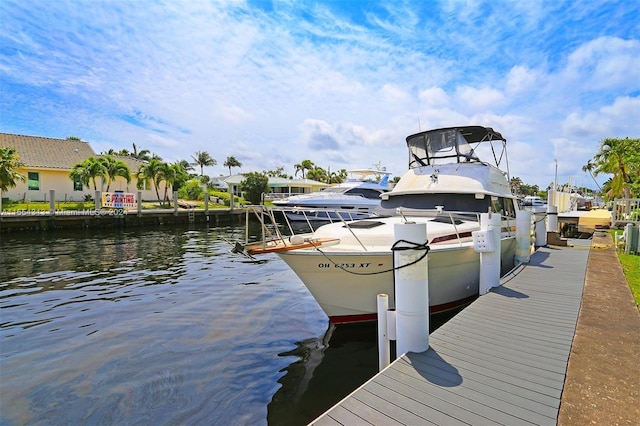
{"x":165,"y":326}
{"x":329,"y":368}
{"x":144,"y":326}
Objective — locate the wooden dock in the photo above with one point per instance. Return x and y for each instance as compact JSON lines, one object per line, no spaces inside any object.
{"x":502,"y":360}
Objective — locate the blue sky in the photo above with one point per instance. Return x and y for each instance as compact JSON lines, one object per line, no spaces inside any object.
{"x":341,"y":83}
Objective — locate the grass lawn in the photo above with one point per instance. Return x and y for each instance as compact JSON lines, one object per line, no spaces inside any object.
{"x":44,"y":206}
{"x":631,"y":267}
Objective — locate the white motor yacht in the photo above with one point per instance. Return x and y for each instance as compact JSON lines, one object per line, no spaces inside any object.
{"x":356,"y":198}
{"x":346,"y":264}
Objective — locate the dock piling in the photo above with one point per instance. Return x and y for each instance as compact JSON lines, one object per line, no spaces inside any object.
{"x":487,"y":243}
{"x":523,"y":236}
{"x":412,"y":290}
{"x":384,"y":348}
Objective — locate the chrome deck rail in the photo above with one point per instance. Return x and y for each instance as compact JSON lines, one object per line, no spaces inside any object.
{"x":274,"y":218}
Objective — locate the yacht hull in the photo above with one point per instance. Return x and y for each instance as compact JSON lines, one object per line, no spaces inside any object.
{"x":345,"y":284}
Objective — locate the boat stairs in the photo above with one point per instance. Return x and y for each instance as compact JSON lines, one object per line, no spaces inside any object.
{"x":504,"y":359}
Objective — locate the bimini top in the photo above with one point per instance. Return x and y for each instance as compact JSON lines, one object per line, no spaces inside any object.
{"x":451,"y":145}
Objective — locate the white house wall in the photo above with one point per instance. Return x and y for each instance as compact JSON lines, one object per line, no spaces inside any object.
{"x":59,"y":181}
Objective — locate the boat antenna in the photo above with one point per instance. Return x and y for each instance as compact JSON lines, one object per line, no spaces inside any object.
{"x":419,"y":126}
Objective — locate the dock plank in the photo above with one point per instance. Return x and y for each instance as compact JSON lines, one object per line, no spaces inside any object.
{"x":502,"y":360}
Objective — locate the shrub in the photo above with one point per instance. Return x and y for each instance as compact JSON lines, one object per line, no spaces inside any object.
{"x":192,"y":190}
{"x":226,"y":198}
{"x":254,"y":185}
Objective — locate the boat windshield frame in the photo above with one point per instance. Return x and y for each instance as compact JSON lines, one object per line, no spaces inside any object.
{"x":454,"y":145}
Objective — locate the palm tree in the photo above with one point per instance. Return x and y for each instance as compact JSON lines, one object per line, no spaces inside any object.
{"x":617,"y":157}
{"x":203,"y":158}
{"x":79,"y":173}
{"x":232,"y":162}
{"x":143,"y":155}
{"x":589,"y":167}
{"x":173,"y":176}
{"x":303,"y":167}
{"x":114,"y":168}
{"x":338,"y":177}
{"x":318,"y":174}
{"x":88,"y":170}
{"x":9,"y":161}
{"x":187,"y":166}
{"x":515,"y":183}
{"x":151,"y":171}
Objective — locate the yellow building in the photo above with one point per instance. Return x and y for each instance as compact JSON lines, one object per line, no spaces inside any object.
{"x":48,"y":162}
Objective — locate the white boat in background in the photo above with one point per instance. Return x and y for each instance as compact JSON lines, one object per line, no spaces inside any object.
{"x":356,"y":198}
{"x":533,"y":200}
{"x":345,"y":265}
{"x":534,"y":204}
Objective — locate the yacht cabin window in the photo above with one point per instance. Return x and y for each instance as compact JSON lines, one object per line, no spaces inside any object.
{"x":504,"y":206}
{"x":452,"y":203}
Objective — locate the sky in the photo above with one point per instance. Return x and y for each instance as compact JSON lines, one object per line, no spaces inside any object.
{"x":340,"y":83}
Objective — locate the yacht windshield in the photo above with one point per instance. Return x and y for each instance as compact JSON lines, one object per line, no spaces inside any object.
{"x":335,"y":189}
{"x":439,"y":147}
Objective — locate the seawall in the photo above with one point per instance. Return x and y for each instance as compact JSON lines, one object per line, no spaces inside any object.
{"x":44,"y":220}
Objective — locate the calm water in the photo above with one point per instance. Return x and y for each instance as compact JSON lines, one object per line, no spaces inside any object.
{"x":165,"y":327}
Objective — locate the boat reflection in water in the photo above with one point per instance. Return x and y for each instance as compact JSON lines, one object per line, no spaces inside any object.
{"x":329,"y":368}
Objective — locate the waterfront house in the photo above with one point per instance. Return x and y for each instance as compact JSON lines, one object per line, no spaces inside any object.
{"x":48,"y":162}
{"x":279,"y":187}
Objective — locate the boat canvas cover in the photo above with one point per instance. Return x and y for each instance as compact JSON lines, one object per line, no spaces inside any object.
{"x":452,"y":144}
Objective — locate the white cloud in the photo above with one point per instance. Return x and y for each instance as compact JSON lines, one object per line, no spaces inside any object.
{"x":623,"y":116}
{"x":434,"y":97}
{"x":473,"y":99}
{"x":605,"y":63}
{"x":522,"y":79}
{"x":393,"y":93}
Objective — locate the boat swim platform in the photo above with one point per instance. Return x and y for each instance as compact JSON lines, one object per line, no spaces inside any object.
{"x":532,"y":351}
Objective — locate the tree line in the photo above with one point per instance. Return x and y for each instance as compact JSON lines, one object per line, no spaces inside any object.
{"x":109,"y":166}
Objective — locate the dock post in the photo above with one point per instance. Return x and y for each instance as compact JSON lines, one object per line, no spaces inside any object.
{"x":412,"y":290}
{"x":139,"y":203}
{"x":552,"y":218}
{"x":540,"y":229}
{"x":631,"y":239}
{"x":384,"y":348}
{"x":523,"y":236}
{"x":52,"y":202}
{"x":487,"y":243}
{"x":175,"y":203}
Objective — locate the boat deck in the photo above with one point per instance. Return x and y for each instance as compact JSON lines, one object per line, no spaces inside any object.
{"x":502,"y":360}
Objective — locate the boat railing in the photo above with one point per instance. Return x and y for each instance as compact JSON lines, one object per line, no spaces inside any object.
{"x":273,"y":218}
{"x":275,"y":223}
